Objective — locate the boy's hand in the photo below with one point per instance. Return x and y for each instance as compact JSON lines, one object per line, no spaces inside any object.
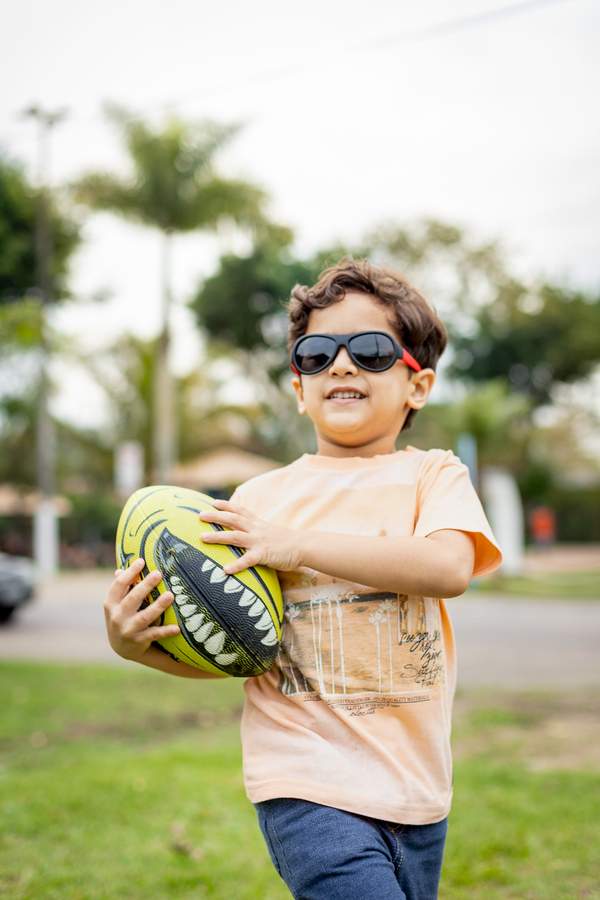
{"x":129,"y":631}
{"x":266,"y":544}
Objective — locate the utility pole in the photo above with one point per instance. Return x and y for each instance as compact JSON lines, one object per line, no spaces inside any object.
{"x":164,"y":430}
{"x":45,"y":525}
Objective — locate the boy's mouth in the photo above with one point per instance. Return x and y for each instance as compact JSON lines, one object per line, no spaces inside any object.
{"x":344,"y":394}
{"x":342,"y":400}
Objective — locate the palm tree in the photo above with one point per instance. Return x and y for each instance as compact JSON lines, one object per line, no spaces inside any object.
{"x":125,"y":372}
{"x":174,"y":188}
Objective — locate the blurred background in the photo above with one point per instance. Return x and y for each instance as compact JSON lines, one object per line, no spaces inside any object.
{"x":167,"y":174}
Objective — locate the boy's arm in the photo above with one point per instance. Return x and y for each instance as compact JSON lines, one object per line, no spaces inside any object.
{"x":439,"y":565}
{"x":156,"y":659}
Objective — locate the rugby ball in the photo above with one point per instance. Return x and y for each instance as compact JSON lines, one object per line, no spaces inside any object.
{"x":229,"y":624}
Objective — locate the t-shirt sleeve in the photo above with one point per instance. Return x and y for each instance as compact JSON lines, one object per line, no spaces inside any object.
{"x":446,"y":498}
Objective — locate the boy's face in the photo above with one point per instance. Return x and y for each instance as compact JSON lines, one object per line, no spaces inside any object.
{"x":370,"y":425}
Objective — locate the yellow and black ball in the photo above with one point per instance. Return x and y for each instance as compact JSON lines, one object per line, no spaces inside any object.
{"x":229,"y":624}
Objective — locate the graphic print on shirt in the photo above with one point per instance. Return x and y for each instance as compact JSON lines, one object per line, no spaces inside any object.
{"x":336,"y":641}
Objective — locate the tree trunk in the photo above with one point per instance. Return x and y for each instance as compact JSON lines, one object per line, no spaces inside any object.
{"x":163,"y":427}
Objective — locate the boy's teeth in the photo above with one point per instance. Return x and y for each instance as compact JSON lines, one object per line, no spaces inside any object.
{"x":343,"y":394}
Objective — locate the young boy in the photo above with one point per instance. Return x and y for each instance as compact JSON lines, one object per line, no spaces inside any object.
{"x":346,"y":739}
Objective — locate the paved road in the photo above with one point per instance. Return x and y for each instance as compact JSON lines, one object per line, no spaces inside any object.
{"x":501,"y":641}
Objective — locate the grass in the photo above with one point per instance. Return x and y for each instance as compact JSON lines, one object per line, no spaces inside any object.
{"x":553,"y":585}
{"x":124,"y":782}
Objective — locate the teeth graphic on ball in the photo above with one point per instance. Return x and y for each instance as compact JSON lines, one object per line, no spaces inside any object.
{"x":198,"y":620}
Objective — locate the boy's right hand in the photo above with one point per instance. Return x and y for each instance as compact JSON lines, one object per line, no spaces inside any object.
{"x":129,"y":631}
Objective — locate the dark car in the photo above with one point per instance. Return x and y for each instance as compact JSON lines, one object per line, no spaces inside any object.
{"x":17,"y":583}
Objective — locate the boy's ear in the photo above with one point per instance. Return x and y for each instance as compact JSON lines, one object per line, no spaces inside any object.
{"x":421,"y":384}
{"x":297,"y":385}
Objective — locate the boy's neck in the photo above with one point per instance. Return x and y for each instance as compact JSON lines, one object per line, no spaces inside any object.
{"x":376,"y":448}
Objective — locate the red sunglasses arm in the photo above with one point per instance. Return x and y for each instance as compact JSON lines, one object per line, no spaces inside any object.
{"x":410,"y":360}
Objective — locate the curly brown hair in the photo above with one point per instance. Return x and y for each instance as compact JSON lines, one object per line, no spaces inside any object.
{"x":415,"y":321}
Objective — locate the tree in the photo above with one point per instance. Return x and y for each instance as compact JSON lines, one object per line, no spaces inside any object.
{"x":533,"y":334}
{"x":243,"y":303}
{"x":173,"y":187}
{"x":125,"y":373}
{"x":455,"y":272}
{"x":535,"y":339}
{"x":18,"y":201}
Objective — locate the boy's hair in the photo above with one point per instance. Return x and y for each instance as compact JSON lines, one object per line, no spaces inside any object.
{"x":417,"y":324}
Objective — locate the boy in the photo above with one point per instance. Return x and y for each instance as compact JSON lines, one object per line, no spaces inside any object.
{"x":346,"y":739}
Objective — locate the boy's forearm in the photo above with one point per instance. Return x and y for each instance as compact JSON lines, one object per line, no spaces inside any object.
{"x":404,"y":565}
{"x":156,"y":659}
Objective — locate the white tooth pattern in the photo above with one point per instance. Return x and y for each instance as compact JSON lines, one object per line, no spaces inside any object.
{"x":217,"y":574}
{"x":225,"y":658}
{"x":194,"y":622}
{"x":175,"y":579}
{"x":204,"y":631}
{"x":247,"y":598}
{"x":178,"y":589}
{"x":256,"y":609}
{"x":264,"y":622}
{"x":270,"y":638}
{"x":232,"y":585}
{"x":215,"y":643}
{"x":187,"y":609}
{"x":207,"y":565}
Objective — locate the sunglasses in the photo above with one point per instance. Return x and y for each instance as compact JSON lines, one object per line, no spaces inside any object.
{"x":374,"y":351}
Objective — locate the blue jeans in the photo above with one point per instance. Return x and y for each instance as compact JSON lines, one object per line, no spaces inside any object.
{"x":324,"y":853}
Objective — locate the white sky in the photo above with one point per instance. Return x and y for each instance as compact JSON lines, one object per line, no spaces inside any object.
{"x":493,"y":126}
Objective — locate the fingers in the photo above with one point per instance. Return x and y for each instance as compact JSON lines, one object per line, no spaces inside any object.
{"x":152,"y":612}
{"x":123,"y":581}
{"x":221,"y":516}
{"x":237,"y":538}
{"x":243,"y":562}
{"x":155,"y":633}
{"x":132,"y":601}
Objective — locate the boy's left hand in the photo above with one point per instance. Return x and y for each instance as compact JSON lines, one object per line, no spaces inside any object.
{"x":266,"y":544}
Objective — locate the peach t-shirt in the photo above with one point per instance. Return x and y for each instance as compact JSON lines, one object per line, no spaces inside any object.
{"x":356,"y":710}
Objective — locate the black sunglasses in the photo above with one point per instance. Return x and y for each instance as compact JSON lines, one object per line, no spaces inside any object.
{"x":374,"y":351}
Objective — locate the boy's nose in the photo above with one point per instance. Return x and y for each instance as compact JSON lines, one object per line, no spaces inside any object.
{"x":343,"y":361}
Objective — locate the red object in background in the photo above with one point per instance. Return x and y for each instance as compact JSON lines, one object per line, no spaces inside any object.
{"x":542,"y":523}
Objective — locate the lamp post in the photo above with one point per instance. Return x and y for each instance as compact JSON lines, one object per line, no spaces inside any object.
{"x":45,"y":523}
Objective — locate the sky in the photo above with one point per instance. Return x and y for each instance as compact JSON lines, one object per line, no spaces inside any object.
{"x":481,"y":113}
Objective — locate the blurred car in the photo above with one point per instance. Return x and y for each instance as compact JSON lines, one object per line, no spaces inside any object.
{"x":17,"y":583}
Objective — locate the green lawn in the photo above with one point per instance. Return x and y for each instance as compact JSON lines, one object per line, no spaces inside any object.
{"x":551,"y":586}
{"x":124,"y":782}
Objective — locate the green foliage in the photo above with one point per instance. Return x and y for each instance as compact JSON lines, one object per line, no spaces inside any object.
{"x":576,"y":510}
{"x":455,"y":272}
{"x":239,"y":302}
{"x":534,"y":338}
{"x":244,"y":302}
{"x":18,"y":201}
{"x":125,"y":373}
{"x":495,"y":416}
{"x":558,"y":586}
{"x":173,"y":185}
{"x":93,"y":518}
{"x":17,"y":434}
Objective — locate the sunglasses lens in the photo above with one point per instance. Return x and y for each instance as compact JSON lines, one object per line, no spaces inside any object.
{"x":314,"y":353}
{"x":373,"y":351}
